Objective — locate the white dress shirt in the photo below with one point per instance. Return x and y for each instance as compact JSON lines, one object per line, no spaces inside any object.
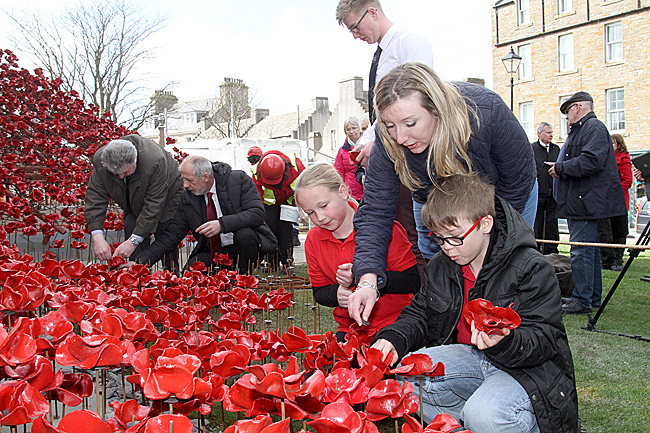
{"x":399,"y":46}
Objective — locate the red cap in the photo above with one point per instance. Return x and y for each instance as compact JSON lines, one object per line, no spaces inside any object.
{"x":271,"y":169}
{"x":255,"y":150}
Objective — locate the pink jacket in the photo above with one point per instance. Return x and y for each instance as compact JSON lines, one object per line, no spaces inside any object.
{"x":346,"y":169}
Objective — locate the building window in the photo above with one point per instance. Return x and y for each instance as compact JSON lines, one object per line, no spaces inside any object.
{"x":565,"y":52}
{"x":526,"y":65}
{"x":523,"y":12}
{"x":613,"y":42}
{"x":616,"y":109}
{"x":564,"y":6}
{"x":564,"y":121}
{"x":189,"y":118}
{"x":526,"y":119}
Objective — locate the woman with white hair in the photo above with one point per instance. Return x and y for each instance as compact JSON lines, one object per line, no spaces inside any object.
{"x":342,"y":163}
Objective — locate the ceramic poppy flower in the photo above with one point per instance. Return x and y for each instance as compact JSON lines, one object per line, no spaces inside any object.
{"x":173,"y":373}
{"x":419,"y":364}
{"x":89,"y":351}
{"x":20,"y":403}
{"x":389,"y":399}
{"x":295,"y":339}
{"x":85,"y":421}
{"x":343,"y":385}
{"x":442,"y":423}
{"x":17,"y":346}
{"x":228,"y":363}
{"x":38,"y":373}
{"x":490,"y":319}
{"x":222,"y":259}
{"x":129,"y":412}
{"x":74,"y":388}
{"x":341,"y":418}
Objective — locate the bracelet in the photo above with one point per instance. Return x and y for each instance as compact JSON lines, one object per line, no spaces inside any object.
{"x":366,"y":283}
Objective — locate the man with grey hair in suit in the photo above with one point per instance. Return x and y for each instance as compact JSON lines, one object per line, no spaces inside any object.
{"x":143,"y":179}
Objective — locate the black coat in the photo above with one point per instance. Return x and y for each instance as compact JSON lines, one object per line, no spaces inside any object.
{"x":589,"y":185}
{"x":240,"y":204}
{"x":536,"y":353}
{"x":545,"y":180}
{"x":498,"y":149}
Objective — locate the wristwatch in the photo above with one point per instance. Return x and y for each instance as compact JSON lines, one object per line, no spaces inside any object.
{"x":134,"y":241}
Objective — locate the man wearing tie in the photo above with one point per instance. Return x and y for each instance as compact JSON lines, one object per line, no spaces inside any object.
{"x":223,"y":210}
{"x":365,"y":19}
{"x":545,"y":151}
{"x":143,"y":179}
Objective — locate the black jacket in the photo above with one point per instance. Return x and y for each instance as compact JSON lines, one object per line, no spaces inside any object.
{"x":241,"y":206}
{"x":536,"y":353}
{"x":545,"y":180}
{"x":498,"y":149}
{"x":589,"y":185}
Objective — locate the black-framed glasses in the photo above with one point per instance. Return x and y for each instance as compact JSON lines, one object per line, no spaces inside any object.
{"x":454,"y":241}
{"x":355,"y":28}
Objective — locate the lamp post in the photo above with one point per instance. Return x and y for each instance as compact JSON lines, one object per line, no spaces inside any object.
{"x":161,"y":129}
{"x":511,"y":61}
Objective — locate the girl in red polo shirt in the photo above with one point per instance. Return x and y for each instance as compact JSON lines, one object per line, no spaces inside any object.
{"x":329,"y":249}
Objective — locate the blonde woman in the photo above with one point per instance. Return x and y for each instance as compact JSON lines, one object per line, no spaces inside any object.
{"x":429,"y":129}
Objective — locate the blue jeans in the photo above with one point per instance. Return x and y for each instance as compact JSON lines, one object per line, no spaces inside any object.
{"x":585,"y":263}
{"x":480,"y":396}
{"x":429,"y":249}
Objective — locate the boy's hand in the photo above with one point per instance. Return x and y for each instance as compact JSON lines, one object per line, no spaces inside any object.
{"x":386,"y":347}
{"x":483,"y":341}
{"x":344,"y":275}
{"x":342,"y":295}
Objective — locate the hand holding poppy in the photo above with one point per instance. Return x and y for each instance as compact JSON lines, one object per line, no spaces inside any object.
{"x":362,"y":301}
{"x":386,"y":348}
{"x":483,"y":340}
{"x":125,"y":249}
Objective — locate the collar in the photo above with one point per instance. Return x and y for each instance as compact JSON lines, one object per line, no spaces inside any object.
{"x":582,"y":121}
{"x":388,"y":37}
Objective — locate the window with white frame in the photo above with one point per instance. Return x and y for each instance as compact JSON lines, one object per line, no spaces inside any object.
{"x":189,"y":118}
{"x":523,"y":12}
{"x":614,"y":42}
{"x":564,"y":121}
{"x":564,"y":6}
{"x":616,"y":109}
{"x":526,"y":119}
{"x":526,"y":64}
{"x":565,"y":53}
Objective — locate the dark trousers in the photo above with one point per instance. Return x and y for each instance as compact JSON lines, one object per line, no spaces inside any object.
{"x":169,"y":260}
{"x":546,"y":224}
{"x":612,"y":231}
{"x":404,"y":216}
{"x":244,"y":253}
{"x":283,"y":231}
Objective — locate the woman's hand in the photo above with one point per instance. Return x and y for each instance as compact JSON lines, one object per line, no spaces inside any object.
{"x":386,"y":347}
{"x":483,"y":341}
{"x":342,"y":295}
{"x":363,"y":300}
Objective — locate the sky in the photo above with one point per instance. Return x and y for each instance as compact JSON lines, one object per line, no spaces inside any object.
{"x":287,"y":51}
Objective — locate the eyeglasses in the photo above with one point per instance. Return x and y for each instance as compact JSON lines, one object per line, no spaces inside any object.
{"x":454,"y":241}
{"x":570,"y":107}
{"x":355,"y":28}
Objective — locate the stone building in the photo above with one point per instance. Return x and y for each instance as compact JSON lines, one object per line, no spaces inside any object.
{"x":598,"y":46}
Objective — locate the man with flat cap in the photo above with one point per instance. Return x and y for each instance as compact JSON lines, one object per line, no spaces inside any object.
{"x":587,"y":188}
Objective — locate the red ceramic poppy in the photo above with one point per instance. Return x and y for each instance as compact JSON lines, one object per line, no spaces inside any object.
{"x":343,"y":385}
{"x":222,"y":259}
{"x":354,"y":154}
{"x":419,"y":364}
{"x":17,"y":346}
{"x":389,"y":399}
{"x":83,"y":421}
{"x":38,"y":373}
{"x":228,"y":363}
{"x":246,"y":281}
{"x":490,"y":319}
{"x":295,"y":339}
{"x":116,"y":261}
{"x":442,"y":423}
{"x":20,"y":403}
{"x":341,"y":418}
{"x":73,"y":389}
{"x":89,"y":351}
{"x":129,"y":412}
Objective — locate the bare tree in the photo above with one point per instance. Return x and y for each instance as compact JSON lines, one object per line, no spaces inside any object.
{"x":230,"y":113}
{"x":94,"y":49}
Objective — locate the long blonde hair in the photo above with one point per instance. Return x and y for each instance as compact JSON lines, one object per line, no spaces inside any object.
{"x":318,"y":175}
{"x":447,"y":154}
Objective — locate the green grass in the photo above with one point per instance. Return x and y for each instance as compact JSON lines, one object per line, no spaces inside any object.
{"x":612,"y":372}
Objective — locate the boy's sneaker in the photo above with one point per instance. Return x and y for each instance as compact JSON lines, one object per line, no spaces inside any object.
{"x":572,"y":307}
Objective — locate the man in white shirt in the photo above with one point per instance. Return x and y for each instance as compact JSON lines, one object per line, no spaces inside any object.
{"x":365,"y":19}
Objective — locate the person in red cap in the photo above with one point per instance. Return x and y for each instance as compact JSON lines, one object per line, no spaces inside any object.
{"x":254,"y":155}
{"x":275,"y":178}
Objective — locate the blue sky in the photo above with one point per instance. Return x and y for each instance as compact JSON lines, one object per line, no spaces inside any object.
{"x":289,"y":51}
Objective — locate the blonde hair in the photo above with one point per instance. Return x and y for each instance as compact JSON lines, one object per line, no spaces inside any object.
{"x":447,"y":152}
{"x":346,"y":6}
{"x":318,"y":175}
{"x":462,"y":196}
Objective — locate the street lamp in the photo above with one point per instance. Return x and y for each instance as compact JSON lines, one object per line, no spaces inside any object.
{"x":511,"y":61}
{"x":161,"y":129}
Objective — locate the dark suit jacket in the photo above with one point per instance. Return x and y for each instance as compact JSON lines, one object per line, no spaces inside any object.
{"x":544,"y":179}
{"x":240,"y":204}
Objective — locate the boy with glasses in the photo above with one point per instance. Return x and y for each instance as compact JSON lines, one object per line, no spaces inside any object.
{"x":518,"y":380}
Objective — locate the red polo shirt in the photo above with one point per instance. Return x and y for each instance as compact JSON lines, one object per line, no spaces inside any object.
{"x":325,"y":253}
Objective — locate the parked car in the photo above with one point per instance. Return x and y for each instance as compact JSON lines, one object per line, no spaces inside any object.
{"x":643,"y":216}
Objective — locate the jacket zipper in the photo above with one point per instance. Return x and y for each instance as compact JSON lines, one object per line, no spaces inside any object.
{"x":460,"y":312}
